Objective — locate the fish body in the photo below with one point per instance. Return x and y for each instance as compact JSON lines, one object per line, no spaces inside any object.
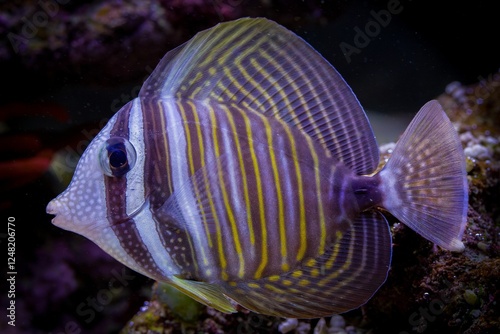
{"x":245,"y":171}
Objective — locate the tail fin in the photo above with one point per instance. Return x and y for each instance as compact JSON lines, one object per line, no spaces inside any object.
{"x":425,"y":183}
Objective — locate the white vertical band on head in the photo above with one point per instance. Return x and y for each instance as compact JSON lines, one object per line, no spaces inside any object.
{"x":135,"y":177}
{"x":103,"y":234}
{"x":136,"y":200}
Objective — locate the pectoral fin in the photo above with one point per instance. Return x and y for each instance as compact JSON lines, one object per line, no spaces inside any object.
{"x":205,"y":293}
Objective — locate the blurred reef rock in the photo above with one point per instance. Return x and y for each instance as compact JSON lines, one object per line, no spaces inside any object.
{"x":120,"y":39}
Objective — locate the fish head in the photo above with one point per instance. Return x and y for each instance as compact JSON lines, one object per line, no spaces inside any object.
{"x":95,"y":198}
{"x":106,"y":200}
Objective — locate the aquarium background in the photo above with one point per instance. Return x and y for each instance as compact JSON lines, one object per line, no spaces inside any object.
{"x":67,"y":66}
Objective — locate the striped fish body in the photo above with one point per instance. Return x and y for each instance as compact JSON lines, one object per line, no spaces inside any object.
{"x":261,"y":197}
{"x":245,"y":169}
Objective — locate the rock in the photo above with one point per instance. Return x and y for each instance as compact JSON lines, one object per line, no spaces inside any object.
{"x":425,"y":287}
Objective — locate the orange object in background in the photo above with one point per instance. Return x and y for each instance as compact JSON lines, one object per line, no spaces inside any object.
{"x":25,"y":155}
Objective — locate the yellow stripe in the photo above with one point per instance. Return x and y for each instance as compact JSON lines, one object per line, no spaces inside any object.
{"x":218,"y":232}
{"x":235,"y":38}
{"x":300,"y":193}
{"x":192,"y":82}
{"x":227,"y":204}
{"x":359,"y":269}
{"x":298,"y":90}
{"x":243,"y":176}
{"x":265,"y":73}
{"x":342,"y":269}
{"x":202,"y":162}
{"x":192,"y":170}
{"x":281,"y":211}
{"x":199,"y":53}
{"x":216,"y":42}
{"x":260,"y":198}
{"x":274,"y":289}
{"x":322,"y":225}
{"x":165,"y":144}
{"x":245,"y":34}
{"x":331,"y":260}
{"x":257,"y":90}
{"x":287,"y":106}
{"x":239,"y":88}
{"x":285,"y":98}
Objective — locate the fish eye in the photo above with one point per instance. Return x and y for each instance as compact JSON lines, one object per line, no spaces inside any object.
{"x":117,"y":157}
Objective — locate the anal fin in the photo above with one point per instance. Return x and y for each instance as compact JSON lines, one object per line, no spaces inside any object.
{"x":343,"y":278}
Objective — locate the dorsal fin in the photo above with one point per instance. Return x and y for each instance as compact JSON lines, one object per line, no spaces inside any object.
{"x":258,"y":64}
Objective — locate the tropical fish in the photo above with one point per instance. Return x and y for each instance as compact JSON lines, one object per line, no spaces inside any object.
{"x":246,"y":171}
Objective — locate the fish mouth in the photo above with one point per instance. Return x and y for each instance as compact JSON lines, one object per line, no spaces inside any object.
{"x":63,"y":219}
{"x":52,"y":209}
{"x":58,"y":208}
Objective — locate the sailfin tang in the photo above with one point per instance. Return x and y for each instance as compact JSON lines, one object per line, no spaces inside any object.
{"x":259,"y":65}
{"x":425,"y":182}
{"x":343,"y":278}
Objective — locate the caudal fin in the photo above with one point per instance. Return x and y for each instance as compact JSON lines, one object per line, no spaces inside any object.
{"x":425,"y":182}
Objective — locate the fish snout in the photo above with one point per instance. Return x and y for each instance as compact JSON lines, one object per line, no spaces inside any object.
{"x":56,"y":208}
